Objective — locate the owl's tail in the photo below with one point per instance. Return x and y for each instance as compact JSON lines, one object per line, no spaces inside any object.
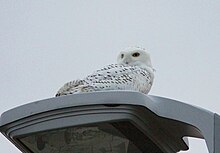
{"x":69,"y":88}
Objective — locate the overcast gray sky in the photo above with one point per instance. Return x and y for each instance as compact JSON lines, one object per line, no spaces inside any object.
{"x":44,"y":44}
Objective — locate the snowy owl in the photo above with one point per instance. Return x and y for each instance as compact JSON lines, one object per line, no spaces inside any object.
{"x":133,"y":71}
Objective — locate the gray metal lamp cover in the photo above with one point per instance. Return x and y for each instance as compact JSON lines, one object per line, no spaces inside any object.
{"x":130,"y":118}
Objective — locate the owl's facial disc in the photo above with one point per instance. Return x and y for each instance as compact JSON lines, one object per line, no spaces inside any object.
{"x":134,"y":57}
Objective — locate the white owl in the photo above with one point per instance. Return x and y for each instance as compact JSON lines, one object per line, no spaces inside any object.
{"x":133,"y":71}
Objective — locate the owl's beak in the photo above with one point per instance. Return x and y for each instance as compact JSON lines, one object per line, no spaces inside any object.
{"x":126,"y":61}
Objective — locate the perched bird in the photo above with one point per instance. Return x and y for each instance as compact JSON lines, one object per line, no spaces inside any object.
{"x":133,"y":71}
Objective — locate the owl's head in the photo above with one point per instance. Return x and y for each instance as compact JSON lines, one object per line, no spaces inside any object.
{"x":135,"y":56}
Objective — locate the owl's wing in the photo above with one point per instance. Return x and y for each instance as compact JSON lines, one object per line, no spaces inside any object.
{"x":121,"y":77}
{"x":111,"y":71}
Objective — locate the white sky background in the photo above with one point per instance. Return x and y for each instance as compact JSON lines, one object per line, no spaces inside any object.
{"x":44,"y":44}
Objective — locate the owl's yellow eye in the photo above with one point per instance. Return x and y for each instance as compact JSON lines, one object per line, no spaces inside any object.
{"x":122,"y":55}
{"x":136,"y":54}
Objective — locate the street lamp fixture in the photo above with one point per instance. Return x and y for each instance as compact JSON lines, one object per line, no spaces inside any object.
{"x":109,"y":122}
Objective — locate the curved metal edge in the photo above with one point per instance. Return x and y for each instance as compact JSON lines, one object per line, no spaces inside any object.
{"x":81,"y":99}
{"x":198,"y":117}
